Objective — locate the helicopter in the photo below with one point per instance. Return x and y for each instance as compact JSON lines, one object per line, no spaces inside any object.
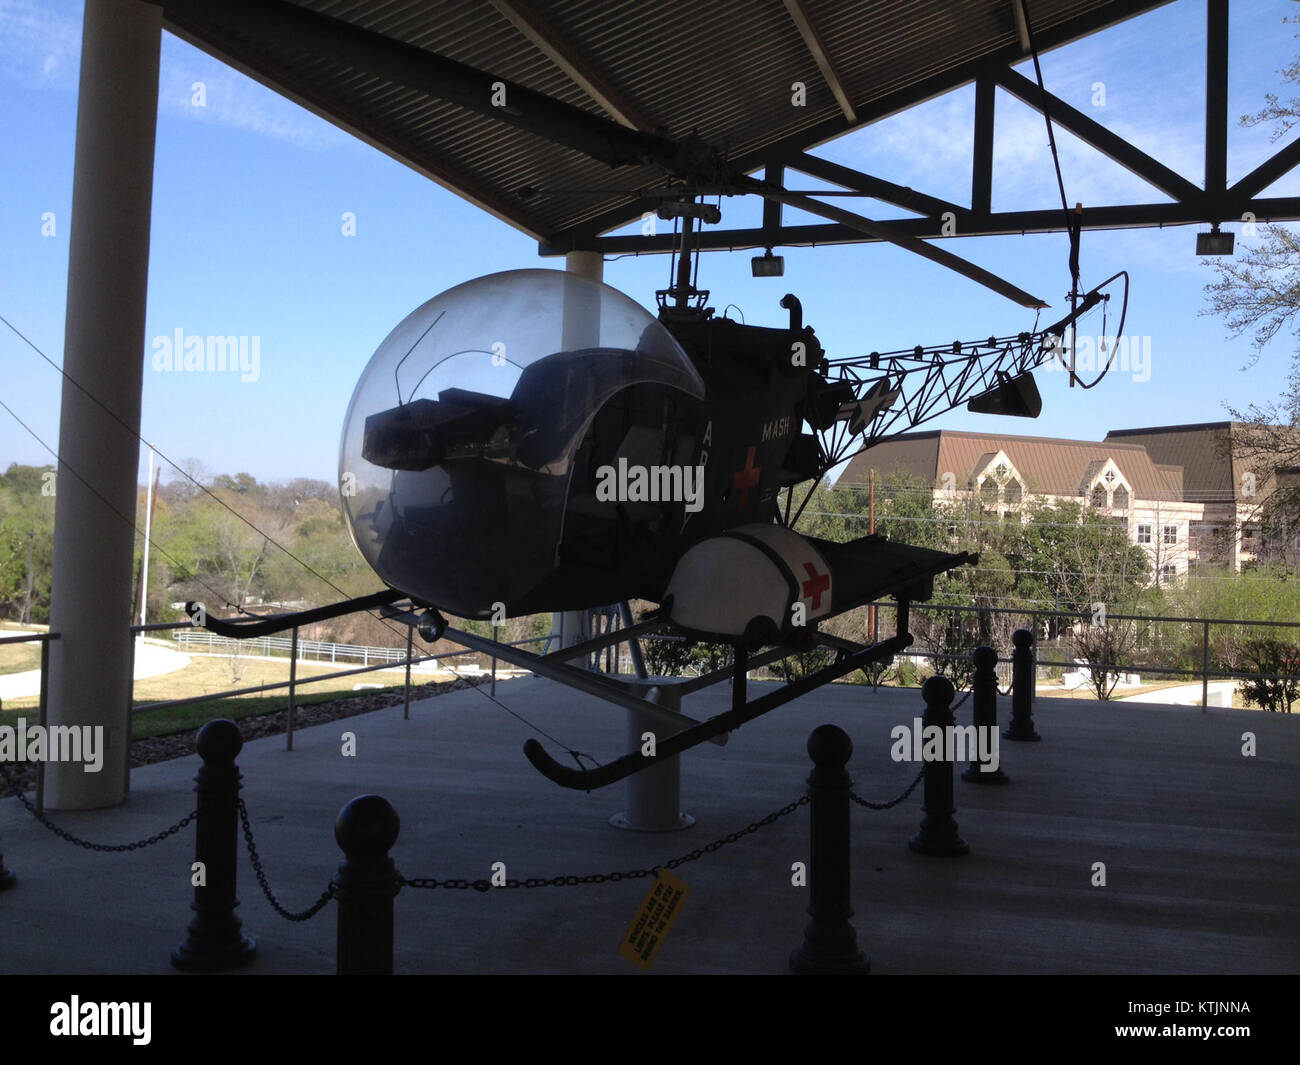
{"x":535,"y":441}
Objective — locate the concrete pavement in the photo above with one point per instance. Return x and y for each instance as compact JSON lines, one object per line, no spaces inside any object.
{"x":1200,"y":846}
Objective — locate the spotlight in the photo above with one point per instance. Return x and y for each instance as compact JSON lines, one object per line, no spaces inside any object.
{"x":1214,"y":242}
{"x":705,"y":212}
{"x":1016,"y":396}
{"x":767,"y":265}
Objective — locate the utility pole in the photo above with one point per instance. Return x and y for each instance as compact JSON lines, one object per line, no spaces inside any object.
{"x":148,"y":528}
{"x":27,"y":601}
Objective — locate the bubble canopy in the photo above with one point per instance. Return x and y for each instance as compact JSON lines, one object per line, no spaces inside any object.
{"x":459,"y":441}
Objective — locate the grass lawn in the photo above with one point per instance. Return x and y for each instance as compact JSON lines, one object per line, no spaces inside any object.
{"x":1086,"y":691}
{"x":184,"y":718}
{"x":19,"y":657}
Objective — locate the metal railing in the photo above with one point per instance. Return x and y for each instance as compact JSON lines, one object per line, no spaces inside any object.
{"x":45,"y":639}
{"x":1205,"y":671}
{"x":405,"y":659}
{"x":314,"y":650}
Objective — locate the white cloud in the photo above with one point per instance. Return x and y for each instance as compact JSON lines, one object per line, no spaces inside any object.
{"x":42,"y":42}
{"x":41,"y":46}
{"x":1151,"y":74}
{"x":231,"y":99}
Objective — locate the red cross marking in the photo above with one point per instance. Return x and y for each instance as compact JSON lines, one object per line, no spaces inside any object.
{"x":745,"y":479}
{"x":815,"y":585}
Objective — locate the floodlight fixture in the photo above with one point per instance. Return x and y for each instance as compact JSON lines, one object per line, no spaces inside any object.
{"x":767,"y":265}
{"x":1214,"y":242}
{"x":705,"y":212}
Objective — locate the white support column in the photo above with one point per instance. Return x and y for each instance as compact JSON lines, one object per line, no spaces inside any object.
{"x":588,"y":264}
{"x":108,"y":263}
{"x":572,"y":624}
{"x":652,"y":798}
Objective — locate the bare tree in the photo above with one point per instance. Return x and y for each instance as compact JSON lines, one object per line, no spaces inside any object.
{"x":1258,"y":291}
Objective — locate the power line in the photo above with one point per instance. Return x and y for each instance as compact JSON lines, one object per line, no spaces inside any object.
{"x":269,"y":539}
{"x":129,"y":521}
{"x":198,"y":484}
{"x":207,"y":491}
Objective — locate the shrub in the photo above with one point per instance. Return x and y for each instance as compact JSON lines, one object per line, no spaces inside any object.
{"x":1270,"y":656}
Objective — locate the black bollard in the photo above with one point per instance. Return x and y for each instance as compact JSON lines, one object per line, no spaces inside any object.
{"x":984,"y":696}
{"x":214,"y":941}
{"x":830,"y":944}
{"x":1021,"y":726}
{"x":938,"y":833}
{"x":365,"y":886}
{"x":7,"y":879}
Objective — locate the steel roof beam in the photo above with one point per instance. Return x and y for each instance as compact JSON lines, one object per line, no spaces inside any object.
{"x":1266,"y":173}
{"x":1098,"y":136}
{"x":1216,"y":97}
{"x":1122,"y":216}
{"x":436,"y":76}
{"x":817,"y":49}
{"x":981,"y":182}
{"x":578,"y":68}
{"x":1049,"y":37}
{"x":877,"y":188}
{"x":773,"y":209}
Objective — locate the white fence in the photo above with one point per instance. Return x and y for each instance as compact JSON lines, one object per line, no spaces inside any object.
{"x":313,"y":650}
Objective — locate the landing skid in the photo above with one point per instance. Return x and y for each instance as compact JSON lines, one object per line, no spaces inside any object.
{"x":681,"y":732}
{"x":741,"y":712}
{"x":849,"y":656}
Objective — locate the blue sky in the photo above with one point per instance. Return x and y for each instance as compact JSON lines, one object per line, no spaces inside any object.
{"x":250,"y":190}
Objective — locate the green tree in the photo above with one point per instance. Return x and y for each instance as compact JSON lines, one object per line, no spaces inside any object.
{"x":1270,"y":657}
{"x":1093,"y":571}
{"x":26,"y":542}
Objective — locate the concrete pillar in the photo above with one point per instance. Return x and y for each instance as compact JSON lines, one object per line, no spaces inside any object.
{"x":588,"y":264}
{"x":108,"y":262}
{"x":573,"y":625}
{"x":652,"y":798}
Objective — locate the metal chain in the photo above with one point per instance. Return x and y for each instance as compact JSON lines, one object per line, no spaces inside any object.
{"x":601,"y":878}
{"x":961,"y":700}
{"x":289,"y":915}
{"x":892,"y":802}
{"x":15,"y":789}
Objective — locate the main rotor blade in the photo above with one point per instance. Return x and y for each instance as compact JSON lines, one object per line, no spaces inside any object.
{"x":888,"y":233}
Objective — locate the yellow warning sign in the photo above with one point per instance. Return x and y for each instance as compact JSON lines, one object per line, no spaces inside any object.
{"x":649,"y":928}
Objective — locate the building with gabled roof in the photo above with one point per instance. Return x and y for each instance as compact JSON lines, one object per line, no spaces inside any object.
{"x":1227,"y":476}
{"x":1120,"y":478}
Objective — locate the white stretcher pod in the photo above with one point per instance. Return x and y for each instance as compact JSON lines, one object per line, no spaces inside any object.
{"x":753,"y":582}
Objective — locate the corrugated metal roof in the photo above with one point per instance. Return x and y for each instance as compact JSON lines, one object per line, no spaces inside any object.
{"x":1202,"y":452}
{"x":722,"y":69}
{"x":1049,"y":465}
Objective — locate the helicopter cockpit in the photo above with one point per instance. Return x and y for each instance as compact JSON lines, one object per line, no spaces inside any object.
{"x":474,"y":416}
